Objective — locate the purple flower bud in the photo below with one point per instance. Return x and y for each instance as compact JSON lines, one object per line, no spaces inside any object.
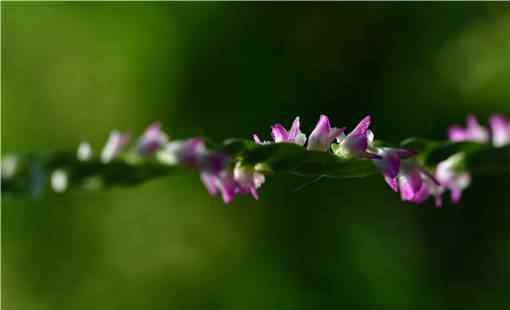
{"x":280,"y":134}
{"x":355,"y":144}
{"x":151,"y":140}
{"x":323,"y":135}
{"x":451,"y":174}
{"x":84,"y":152}
{"x":473,"y":132}
{"x":500,"y":126}
{"x":114,"y":145}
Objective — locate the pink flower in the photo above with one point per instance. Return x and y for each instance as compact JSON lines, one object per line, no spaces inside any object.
{"x":215,"y":168}
{"x":355,"y":144}
{"x":280,"y":134}
{"x":500,"y":126}
{"x":323,"y":135}
{"x":151,"y":140}
{"x":241,"y":181}
{"x":473,"y":132}
{"x":248,"y":180}
{"x":414,"y":183}
{"x":451,"y":175}
{"x":220,"y":183}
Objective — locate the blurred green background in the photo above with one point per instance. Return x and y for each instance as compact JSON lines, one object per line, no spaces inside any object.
{"x":74,"y":71}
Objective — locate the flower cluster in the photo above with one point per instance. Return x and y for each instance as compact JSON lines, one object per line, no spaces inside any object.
{"x":400,"y":168}
{"x":402,"y":172}
{"x":322,"y":137}
{"x":217,"y":171}
{"x":451,"y":173}
{"x":148,"y":144}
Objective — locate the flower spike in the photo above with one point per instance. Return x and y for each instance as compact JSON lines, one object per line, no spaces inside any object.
{"x":240,"y":168}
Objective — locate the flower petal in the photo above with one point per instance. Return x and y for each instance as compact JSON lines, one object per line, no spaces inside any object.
{"x":362,"y":127}
{"x":151,"y":140}
{"x":410,"y":183}
{"x":456,"y":133}
{"x":323,"y":135}
{"x":257,"y":139}
{"x":279,"y":133}
{"x":209,"y":182}
{"x":422,"y":194}
{"x":438,"y":200}
{"x":335,"y":133}
{"x":392,"y":182}
{"x":228,"y":188}
{"x":389,"y":164}
{"x":500,"y":126}
{"x":475,"y":131}
{"x":114,"y":145}
{"x":406,"y":190}
{"x":456,"y":194}
{"x":294,"y":129}
{"x":355,"y":144}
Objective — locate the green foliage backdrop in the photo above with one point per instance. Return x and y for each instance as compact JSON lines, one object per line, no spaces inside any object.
{"x":74,"y":71}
